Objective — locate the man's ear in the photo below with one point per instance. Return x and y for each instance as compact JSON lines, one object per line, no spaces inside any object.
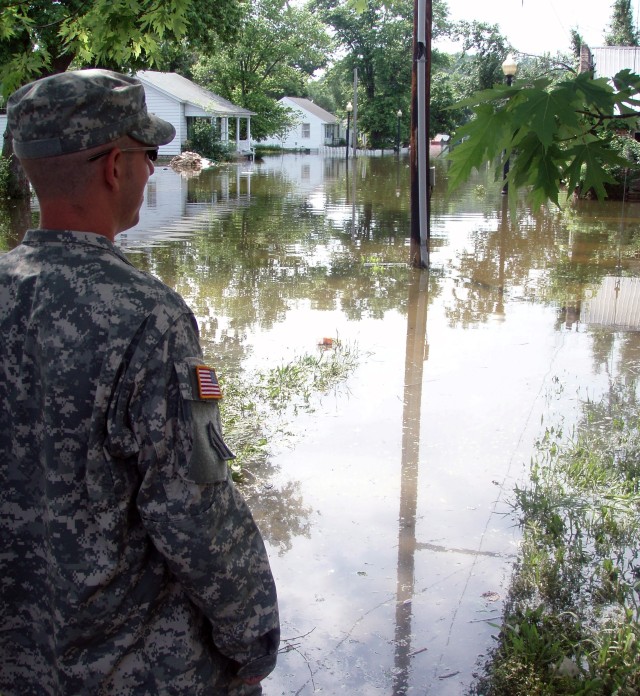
{"x":112,"y":169}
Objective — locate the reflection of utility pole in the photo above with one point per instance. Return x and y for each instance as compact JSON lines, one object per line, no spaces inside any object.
{"x":501,"y":260}
{"x":415,"y":355}
{"x":353,"y":201}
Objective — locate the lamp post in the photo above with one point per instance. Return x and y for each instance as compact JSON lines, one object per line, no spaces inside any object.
{"x":509,"y":68}
{"x":349,"y":110}
{"x":399,"y":115}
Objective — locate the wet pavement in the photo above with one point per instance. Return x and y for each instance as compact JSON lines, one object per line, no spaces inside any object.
{"x":387,"y":511}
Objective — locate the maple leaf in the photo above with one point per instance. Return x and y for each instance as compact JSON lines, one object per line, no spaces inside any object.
{"x":587,"y":166}
{"x":481,"y":138}
{"x":554,"y":134}
{"x":544,"y":112}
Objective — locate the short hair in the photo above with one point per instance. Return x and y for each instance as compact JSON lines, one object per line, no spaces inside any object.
{"x":65,"y":176}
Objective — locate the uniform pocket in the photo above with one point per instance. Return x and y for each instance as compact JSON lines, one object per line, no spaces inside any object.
{"x":209,"y":453}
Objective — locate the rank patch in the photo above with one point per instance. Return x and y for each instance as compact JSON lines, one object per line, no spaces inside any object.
{"x":208,"y":387}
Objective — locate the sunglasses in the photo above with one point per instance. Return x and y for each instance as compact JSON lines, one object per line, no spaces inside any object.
{"x":152,"y":152}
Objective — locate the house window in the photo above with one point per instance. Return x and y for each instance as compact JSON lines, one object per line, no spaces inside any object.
{"x":306,"y":130}
{"x":330,"y":134}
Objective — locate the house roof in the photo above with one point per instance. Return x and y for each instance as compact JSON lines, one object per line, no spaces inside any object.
{"x":308,"y":105}
{"x":186,"y":91}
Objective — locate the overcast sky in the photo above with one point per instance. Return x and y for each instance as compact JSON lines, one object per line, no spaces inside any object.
{"x":540,"y":26}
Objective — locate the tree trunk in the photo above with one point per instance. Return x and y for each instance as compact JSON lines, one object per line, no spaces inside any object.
{"x":18,"y":184}
{"x":18,"y":213}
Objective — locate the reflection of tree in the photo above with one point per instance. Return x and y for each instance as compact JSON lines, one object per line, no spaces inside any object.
{"x":250,"y":265}
{"x":595,"y":248}
{"x":504,"y":258}
{"x":279,"y":512}
{"x":549,"y":257}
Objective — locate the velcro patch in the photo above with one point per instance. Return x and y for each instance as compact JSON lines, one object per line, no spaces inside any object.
{"x":208,"y":387}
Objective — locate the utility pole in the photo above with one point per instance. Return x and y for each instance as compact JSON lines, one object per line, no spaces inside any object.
{"x":420,"y":98}
{"x":355,"y":112}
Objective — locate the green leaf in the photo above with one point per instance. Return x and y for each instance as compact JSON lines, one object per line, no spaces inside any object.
{"x":483,"y":138}
{"x":484,"y":96}
{"x":586,"y":168}
{"x":537,"y":167}
{"x":596,"y":93}
{"x":542,"y":111}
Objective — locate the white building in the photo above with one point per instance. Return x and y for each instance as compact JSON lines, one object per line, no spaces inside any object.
{"x":180,"y":101}
{"x":609,"y":60}
{"x":314,"y":127}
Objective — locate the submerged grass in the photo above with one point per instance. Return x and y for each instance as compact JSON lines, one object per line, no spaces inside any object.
{"x":571,"y":623}
{"x":257,"y":408}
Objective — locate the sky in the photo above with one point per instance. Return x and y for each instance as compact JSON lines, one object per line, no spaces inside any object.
{"x":539,"y":26}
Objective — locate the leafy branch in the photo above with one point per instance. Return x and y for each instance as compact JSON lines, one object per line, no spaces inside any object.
{"x":555,"y":135}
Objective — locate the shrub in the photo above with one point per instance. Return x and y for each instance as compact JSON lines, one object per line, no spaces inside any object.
{"x":204,"y":140}
{"x":5,"y":174}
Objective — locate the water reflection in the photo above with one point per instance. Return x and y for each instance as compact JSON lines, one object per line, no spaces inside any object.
{"x":417,"y":351}
{"x":385,"y":511}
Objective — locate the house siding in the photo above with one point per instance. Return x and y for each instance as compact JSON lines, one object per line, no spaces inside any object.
{"x":295,"y":138}
{"x":177,"y":99}
{"x":170,"y":110}
{"x":609,"y":60}
{"x":3,"y":123}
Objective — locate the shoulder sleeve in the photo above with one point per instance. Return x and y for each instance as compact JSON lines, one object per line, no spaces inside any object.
{"x":192,"y":510}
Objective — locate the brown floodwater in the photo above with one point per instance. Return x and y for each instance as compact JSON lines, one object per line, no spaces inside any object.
{"x":386,"y":506}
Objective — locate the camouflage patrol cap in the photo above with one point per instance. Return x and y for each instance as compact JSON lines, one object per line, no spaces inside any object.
{"x":78,"y":110}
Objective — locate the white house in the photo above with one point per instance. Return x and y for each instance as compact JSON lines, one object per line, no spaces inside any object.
{"x":314,"y":127}
{"x":180,"y":101}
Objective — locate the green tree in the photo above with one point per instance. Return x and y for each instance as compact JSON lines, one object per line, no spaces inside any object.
{"x":277,"y":48}
{"x":377,"y":39}
{"x":554,"y":133}
{"x":621,"y":29}
{"x":576,"y":44}
{"x":326,"y":91}
{"x":483,"y":52}
{"x":42,"y":37}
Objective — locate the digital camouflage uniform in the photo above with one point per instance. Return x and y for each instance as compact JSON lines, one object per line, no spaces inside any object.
{"x":129,"y":563}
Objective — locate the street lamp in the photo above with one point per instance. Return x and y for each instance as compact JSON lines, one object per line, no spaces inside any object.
{"x":399,"y":115}
{"x":349,"y":110}
{"x":509,"y":68}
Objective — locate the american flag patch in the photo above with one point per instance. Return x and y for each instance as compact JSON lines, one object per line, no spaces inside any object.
{"x":208,"y":386}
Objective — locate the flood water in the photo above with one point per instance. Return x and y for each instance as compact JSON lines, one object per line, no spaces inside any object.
{"x":386,"y":509}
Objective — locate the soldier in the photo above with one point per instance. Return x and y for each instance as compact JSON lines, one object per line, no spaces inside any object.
{"x":129,"y":562}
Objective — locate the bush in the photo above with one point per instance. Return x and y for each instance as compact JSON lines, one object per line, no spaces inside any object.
{"x":5,"y":174}
{"x":205,"y":141}
{"x":629,"y":149}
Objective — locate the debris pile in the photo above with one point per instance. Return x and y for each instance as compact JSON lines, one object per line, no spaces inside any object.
{"x":189,"y":162}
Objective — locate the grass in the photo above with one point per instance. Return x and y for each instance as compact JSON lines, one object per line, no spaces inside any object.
{"x":571,"y":623}
{"x":257,"y":408}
